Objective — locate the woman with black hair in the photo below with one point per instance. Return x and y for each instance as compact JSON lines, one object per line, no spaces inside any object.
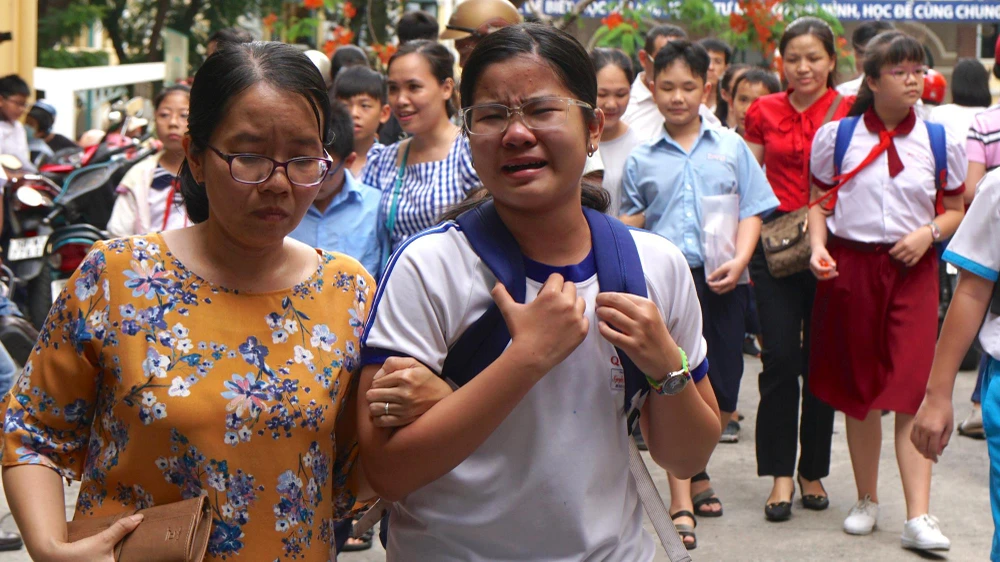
{"x":970,"y":95}
{"x":212,"y":360}
{"x":614,"y":83}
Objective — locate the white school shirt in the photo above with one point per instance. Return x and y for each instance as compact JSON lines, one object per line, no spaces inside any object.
{"x":976,"y":249}
{"x":642,"y":115}
{"x":874,"y":207}
{"x":552,"y":482}
{"x":615,"y":153}
{"x":956,"y":118}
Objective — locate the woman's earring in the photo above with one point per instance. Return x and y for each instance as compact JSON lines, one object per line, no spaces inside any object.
{"x":591,"y":150}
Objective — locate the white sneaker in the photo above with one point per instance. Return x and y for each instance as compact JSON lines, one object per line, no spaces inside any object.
{"x":923,"y":533}
{"x":862,"y":518}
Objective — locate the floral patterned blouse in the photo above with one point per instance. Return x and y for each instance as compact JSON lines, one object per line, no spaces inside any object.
{"x":151,"y":385}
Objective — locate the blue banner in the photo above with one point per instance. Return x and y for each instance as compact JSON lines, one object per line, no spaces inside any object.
{"x":950,"y":11}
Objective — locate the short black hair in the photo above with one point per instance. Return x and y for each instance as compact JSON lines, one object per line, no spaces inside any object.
{"x":868,"y":30}
{"x":360,"y":81}
{"x":231,"y":35}
{"x":342,"y":129}
{"x":183,"y":88}
{"x":345,"y":56}
{"x":415,"y":25}
{"x":692,"y":54}
{"x":233,"y":69}
{"x":761,"y":76}
{"x":970,"y":84}
{"x":14,"y":85}
{"x":717,"y":46}
{"x":665,"y":30}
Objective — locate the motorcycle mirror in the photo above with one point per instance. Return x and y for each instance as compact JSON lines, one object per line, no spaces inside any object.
{"x":10,"y":162}
{"x":135,"y":106}
{"x":30,"y":197}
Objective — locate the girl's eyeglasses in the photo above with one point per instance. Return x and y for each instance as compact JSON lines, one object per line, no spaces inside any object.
{"x":542,"y":113}
{"x":900,"y":73}
{"x":255,"y":169}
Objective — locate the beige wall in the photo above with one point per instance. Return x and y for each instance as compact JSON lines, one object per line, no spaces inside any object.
{"x":19,"y":56}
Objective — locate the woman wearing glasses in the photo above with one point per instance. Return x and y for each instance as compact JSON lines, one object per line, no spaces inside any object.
{"x":215,"y":359}
{"x":432,"y":170}
{"x":477,"y":476}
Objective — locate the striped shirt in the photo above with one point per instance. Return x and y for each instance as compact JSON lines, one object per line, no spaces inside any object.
{"x":983,"y":145}
{"x":428,"y":189}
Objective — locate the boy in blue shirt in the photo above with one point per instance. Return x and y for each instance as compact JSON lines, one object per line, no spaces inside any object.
{"x":664,"y":182}
{"x":344,"y":216}
{"x":364,"y":93}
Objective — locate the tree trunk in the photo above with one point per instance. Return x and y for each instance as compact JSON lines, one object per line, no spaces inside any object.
{"x":112,"y":23}
{"x":154,"y":55}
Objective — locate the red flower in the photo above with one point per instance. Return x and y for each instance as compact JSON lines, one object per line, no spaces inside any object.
{"x":329,"y":47}
{"x":313,"y":4}
{"x":270,"y":19}
{"x":344,"y":37}
{"x":737,"y":22}
{"x":349,"y":10}
{"x":613,"y":20}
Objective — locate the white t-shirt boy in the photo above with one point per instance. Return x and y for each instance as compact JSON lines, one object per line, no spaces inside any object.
{"x":552,"y":482}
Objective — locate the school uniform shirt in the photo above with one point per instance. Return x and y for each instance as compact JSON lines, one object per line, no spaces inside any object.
{"x":645,"y":118}
{"x":983,"y":144}
{"x":851,"y":87}
{"x":874,"y":207}
{"x":975,"y":249}
{"x":14,"y":141}
{"x":615,"y":153}
{"x":787,"y":135}
{"x":666,"y":182}
{"x":524,"y":495}
{"x":427,"y":190}
{"x":956,"y":118}
{"x":349,"y":225}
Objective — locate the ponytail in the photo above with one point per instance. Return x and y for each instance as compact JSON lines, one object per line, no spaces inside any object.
{"x":864,"y":101}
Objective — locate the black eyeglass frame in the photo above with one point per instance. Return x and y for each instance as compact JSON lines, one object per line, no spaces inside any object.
{"x":275,"y":164}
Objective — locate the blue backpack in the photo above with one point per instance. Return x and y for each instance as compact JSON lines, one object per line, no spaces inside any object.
{"x":936,"y":132}
{"x":618,"y":270}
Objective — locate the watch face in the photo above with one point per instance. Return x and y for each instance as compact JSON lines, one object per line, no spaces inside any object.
{"x":675,"y":384}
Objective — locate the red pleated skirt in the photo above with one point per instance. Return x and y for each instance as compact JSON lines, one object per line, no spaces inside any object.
{"x":874,"y":328}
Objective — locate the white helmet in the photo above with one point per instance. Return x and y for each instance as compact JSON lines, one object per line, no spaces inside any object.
{"x":322,"y":62}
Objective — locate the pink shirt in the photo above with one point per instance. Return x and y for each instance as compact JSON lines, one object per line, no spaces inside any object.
{"x":983,"y":144}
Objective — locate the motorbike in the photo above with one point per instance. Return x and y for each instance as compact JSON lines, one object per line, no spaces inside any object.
{"x":17,"y":334}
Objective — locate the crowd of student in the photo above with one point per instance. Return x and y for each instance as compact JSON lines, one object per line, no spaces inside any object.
{"x":469,"y":368}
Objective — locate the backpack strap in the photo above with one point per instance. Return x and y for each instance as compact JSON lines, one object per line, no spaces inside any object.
{"x":939,"y":147}
{"x":618,"y":270}
{"x":845,"y":132}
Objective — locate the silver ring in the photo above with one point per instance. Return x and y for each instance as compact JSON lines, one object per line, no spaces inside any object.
{"x":386,"y":409}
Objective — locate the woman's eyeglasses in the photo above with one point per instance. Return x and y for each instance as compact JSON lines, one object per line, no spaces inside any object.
{"x":542,"y":113}
{"x":255,"y":169}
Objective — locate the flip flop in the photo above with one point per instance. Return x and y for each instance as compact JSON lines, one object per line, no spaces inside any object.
{"x":706,"y":498}
{"x":685,"y":530}
{"x":364,"y":542}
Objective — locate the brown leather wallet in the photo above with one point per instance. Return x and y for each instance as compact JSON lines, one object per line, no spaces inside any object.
{"x":174,"y":532}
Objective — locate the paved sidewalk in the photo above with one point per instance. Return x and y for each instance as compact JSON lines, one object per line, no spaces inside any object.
{"x":960,"y":500}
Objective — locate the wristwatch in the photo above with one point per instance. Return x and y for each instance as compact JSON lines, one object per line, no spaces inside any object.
{"x":675,"y":382}
{"x":935,"y":230}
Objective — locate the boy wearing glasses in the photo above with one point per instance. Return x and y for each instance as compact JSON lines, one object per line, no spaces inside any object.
{"x":663,"y":187}
{"x":344,"y":216}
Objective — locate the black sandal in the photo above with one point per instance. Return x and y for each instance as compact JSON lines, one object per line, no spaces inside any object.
{"x":364,"y":542}
{"x":685,"y":530}
{"x":814,"y":502}
{"x":705,"y":498}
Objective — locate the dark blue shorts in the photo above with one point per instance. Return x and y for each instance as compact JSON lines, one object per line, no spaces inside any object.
{"x":724,"y":324}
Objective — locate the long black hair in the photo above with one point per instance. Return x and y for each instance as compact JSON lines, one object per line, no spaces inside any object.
{"x":810,"y":25}
{"x":887,"y":48}
{"x":726,"y":83}
{"x":970,"y":84}
{"x":564,"y":55}
{"x":234,"y":68}
{"x":604,"y":56}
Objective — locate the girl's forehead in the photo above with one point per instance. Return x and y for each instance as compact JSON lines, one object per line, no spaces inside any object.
{"x":535,"y":77}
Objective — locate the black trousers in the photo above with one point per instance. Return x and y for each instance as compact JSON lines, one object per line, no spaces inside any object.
{"x":785,"y":307}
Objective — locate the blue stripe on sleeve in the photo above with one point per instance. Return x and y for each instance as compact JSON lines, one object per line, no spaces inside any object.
{"x":700,"y":371}
{"x":971,"y":266}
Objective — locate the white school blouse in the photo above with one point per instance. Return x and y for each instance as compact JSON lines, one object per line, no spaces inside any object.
{"x":976,"y":249}
{"x":552,"y":482}
{"x":874,"y":207}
